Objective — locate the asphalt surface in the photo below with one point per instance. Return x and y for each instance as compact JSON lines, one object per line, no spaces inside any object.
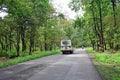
{"x":77,"y":66}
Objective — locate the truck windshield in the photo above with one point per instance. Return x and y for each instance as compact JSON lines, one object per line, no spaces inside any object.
{"x":66,"y":43}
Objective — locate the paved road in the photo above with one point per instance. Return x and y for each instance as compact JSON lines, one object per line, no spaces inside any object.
{"x":77,"y":66}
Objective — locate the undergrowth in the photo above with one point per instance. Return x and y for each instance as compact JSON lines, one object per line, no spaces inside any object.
{"x":107,"y":63}
{"x":27,"y":58}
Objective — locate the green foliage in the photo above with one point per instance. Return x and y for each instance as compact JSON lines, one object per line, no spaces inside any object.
{"x":109,"y":72}
{"x":12,"y":54}
{"x":21,"y":29}
{"x":107,"y":63}
{"x":9,"y":54}
{"x":107,"y":57}
{"x":4,"y":53}
{"x":23,"y":54}
{"x":100,"y":22}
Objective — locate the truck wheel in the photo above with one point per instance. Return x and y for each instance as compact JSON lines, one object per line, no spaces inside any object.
{"x":63,"y":52}
{"x":71,"y":52}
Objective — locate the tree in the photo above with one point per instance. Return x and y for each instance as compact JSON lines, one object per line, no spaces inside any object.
{"x":98,"y":17}
{"x":25,"y":17}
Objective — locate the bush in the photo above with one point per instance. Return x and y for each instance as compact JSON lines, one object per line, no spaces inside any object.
{"x":23,"y":54}
{"x":9,"y":54}
{"x":107,"y":64}
{"x":4,"y":54}
{"x":12,"y":54}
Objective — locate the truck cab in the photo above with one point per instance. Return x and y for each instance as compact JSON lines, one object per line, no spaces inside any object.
{"x":66,"y":46}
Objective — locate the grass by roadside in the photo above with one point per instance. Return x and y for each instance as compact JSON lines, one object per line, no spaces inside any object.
{"x":107,"y":63}
{"x":27,"y":58}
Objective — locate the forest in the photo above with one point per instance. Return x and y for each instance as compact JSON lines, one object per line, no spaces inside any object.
{"x":100,"y":23}
{"x":34,"y":25}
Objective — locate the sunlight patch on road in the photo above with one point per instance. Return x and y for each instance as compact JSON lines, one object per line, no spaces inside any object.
{"x":77,"y":55}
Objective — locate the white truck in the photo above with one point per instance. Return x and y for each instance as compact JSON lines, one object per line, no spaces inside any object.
{"x":66,"y":46}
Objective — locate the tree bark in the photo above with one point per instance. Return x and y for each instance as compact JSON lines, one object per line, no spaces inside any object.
{"x":101,"y":28}
{"x":18,"y":42}
{"x":23,"y":38}
{"x":96,"y":27}
{"x":10,"y":39}
{"x":45,"y":43}
{"x":31,"y":47}
{"x":114,"y":11}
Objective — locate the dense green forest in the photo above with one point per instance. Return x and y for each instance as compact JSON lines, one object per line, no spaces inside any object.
{"x":27,"y":27}
{"x":33,"y":25}
{"x":100,"y":23}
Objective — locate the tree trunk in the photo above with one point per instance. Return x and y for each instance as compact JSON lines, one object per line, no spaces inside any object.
{"x":117,"y":47}
{"x":18,"y":42}
{"x":96,"y":27}
{"x":97,"y":47}
{"x":51,"y":45}
{"x":2,"y":45}
{"x":101,"y":30}
{"x":113,"y":6}
{"x":6,"y":43}
{"x":31,"y":47}
{"x":45,"y":43}
{"x":105,"y":46}
{"x":115,"y":22}
{"x":10,"y":39}
{"x":111,"y":45}
{"x":93,"y":46}
{"x":23,"y":38}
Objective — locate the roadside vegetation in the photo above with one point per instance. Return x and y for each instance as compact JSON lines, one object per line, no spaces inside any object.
{"x":99,"y":23}
{"x":25,"y":58}
{"x":107,"y":63}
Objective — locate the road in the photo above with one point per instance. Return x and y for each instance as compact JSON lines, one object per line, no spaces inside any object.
{"x":77,"y":66}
